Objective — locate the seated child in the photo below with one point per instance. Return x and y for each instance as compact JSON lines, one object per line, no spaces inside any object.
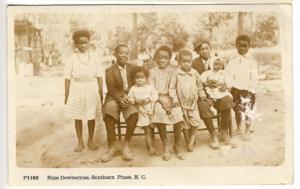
{"x":217,"y":74}
{"x":144,"y":96}
{"x":186,"y":85}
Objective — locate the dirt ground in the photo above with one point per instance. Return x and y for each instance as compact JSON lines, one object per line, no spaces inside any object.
{"x":46,"y":137}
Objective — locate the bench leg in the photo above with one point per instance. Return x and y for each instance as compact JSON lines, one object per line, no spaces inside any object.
{"x":119,"y":130}
{"x":230,"y":127}
{"x":219,"y":122}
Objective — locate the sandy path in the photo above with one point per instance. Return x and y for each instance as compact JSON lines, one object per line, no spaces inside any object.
{"x":46,"y":138}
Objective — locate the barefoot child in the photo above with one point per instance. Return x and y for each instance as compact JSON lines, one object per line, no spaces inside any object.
{"x":186,"y":84}
{"x":144,"y":96}
{"x":83,"y":87}
{"x":164,"y":114}
{"x":242,"y":75}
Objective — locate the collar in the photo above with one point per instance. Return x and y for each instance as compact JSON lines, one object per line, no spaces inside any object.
{"x":121,"y":68}
{"x":181,"y":72}
{"x":163,"y":70}
{"x":145,"y":85}
{"x":247,"y":55}
{"x":205,"y":61}
{"x":77,"y":51}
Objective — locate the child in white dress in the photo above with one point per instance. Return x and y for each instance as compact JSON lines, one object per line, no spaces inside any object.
{"x":144,"y":97}
{"x":83,"y":87}
{"x":218,"y":75}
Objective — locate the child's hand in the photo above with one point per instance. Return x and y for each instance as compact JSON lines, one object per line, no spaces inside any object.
{"x":167,"y":106}
{"x":166,"y":103}
{"x":142,"y":101}
{"x":222,"y":88}
{"x":209,"y":101}
{"x":131,"y":100}
{"x":212,"y":83}
{"x":124,"y":102}
{"x":101,"y":96}
{"x":66,"y":99}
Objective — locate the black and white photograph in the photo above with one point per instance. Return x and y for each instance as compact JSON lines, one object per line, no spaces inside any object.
{"x":134,"y":87}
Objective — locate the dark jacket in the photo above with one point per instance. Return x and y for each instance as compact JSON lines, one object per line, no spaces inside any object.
{"x":198,"y":65}
{"x":114,"y":82}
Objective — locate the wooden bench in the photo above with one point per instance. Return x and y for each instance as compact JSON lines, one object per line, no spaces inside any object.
{"x":121,"y":125}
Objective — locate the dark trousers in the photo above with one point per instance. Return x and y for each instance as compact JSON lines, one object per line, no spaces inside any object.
{"x":110,"y":123}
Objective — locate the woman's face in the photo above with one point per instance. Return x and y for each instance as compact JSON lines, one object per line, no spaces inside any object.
{"x":82,"y":44}
{"x":204,"y":51}
{"x":163,"y":59}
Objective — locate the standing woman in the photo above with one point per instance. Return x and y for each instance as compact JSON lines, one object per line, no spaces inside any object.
{"x":83,"y":87}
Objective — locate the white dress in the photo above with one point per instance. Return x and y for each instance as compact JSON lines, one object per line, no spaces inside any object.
{"x":144,"y":111}
{"x":218,"y":76}
{"x":160,"y":80}
{"x":84,"y":99}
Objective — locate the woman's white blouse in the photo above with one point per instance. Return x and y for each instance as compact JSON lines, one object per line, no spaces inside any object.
{"x":74,"y":68}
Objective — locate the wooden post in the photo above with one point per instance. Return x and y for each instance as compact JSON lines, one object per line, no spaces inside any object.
{"x":241,"y":22}
{"x":133,"y":38}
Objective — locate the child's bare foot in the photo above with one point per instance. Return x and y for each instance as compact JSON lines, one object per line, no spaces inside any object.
{"x":237,"y":132}
{"x":246,"y":137}
{"x":234,"y":145}
{"x":166,"y":156}
{"x":214,"y":143}
{"x":180,"y":156}
{"x":190,"y":147}
{"x":166,"y":152}
{"x":92,"y":146}
{"x":178,"y":152}
{"x":153,"y":152}
{"x":79,"y":147}
{"x":229,"y":142}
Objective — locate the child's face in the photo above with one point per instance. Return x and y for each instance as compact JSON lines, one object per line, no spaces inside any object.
{"x":163,"y":59}
{"x":242,"y":47}
{"x":122,"y":55}
{"x":218,"y":65}
{"x":185,"y":62}
{"x":140,"y":78}
{"x":82,"y":44}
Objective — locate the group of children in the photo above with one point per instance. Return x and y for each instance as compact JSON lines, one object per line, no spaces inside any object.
{"x":169,"y":96}
{"x":164,"y":95}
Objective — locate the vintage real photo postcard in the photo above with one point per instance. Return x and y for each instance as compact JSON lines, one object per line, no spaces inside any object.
{"x":177,"y":94}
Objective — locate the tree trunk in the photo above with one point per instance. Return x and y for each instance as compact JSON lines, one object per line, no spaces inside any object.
{"x":241,"y":22}
{"x":133,"y":38}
